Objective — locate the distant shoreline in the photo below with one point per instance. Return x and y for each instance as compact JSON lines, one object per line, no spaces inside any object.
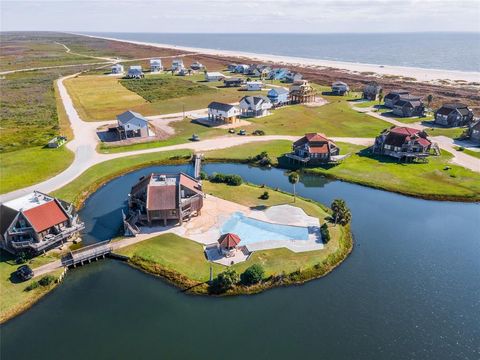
{"x":420,"y":74}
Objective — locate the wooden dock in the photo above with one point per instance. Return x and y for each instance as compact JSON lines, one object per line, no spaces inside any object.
{"x":87,"y":254}
{"x":197,"y":160}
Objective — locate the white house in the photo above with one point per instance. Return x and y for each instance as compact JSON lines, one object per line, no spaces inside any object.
{"x":254,"y":85}
{"x":214,"y":76}
{"x":177,"y":64}
{"x":117,"y":69}
{"x":255,"y":106}
{"x":135,"y":72}
{"x":156,"y":65}
{"x":131,"y":125}
{"x":222,"y":112}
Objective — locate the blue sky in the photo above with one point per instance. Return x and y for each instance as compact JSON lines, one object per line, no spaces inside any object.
{"x":242,"y":15}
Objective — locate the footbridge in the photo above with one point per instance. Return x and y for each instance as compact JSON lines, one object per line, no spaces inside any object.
{"x":87,"y":254}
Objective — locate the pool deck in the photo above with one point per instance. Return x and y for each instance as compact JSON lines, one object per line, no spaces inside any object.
{"x":205,"y":228}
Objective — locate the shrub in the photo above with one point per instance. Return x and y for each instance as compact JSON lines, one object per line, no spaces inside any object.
{"x":258,"y":132}
{"x":325,"y":233}
{"x":229,"y":179}
{"x":225,"y":280}
{"x":32,"y":286}
{"x":252,"y":275}
{"x":46,"y":280}
{"x":203,"y":175}
{"x":265,"y":195}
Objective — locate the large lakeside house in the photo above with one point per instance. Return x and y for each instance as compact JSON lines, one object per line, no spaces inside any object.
{"x":450,"y":115}
{"x":409,"y":106}
{"x":393,"y":96}
{"x":37,"y":222}
{"x":312,"y":149}
{"x":159,"y":198}
{"x":403,"y":143}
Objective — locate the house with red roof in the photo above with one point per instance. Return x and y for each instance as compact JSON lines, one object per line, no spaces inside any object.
{"x":37,"y":222}
{"x":313,"y":148}
{"x":403,"y":143}
{"x":159,"y":198}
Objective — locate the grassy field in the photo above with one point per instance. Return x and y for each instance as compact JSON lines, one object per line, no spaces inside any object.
{"x":110,"y":98}
{"x":77,"y":190}
{"x":429,"y":180}
{"x":470,"y":152}
{"x":187,"y":258}
{"x":163,"y":88}
{"x":32,"y":165}
{"x":274,"y":149}
{"x":14,"y":298}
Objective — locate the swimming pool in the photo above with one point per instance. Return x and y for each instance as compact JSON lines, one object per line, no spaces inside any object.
{"x":252,"y":230}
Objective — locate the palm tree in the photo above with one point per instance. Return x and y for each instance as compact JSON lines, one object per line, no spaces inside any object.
{"x":380,"y":96}
{"x":341,"y":213}
{"x":293,"y":178}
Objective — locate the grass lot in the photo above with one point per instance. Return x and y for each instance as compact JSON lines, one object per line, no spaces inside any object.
{"x":333,"y":119}
{"x":110,"y":98}
{"x":163,"y":88}
{"x":32,"y":165}
{"x":185,"y":257}
{"x":14,"y":298}
{"x":428,"y":180}
{"x":274,"y":149}
{"x":77,"y":190}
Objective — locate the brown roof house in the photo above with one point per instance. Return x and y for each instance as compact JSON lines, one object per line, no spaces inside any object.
{"x":313,"y":148}
{"x":163,"y":197}
{"x":403,"y":143}
{"x":450,"y":115}
{"x":37,"y":222}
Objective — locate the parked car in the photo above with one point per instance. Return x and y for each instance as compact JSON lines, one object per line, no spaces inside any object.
{"x":195,"y":137}
{"x":24,"y":272}
{"x":231,"y":131}
{"x":242,"y":132}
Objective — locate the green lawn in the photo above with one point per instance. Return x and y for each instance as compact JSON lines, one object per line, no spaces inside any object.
{"x":26,"y":167}
{"x":77,"y":190}
{"x":274,"y":149}
{"x":417,"y":179}
{"x":14,"y":298}
{"x":103,"y":97}
{"x":187,"y":258}
{"x":333,"y":119}
{"x":470,"y":152}
{"x":155,"y":88}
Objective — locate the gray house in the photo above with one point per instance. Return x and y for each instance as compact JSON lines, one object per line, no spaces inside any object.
{"x":474,"y":132}
{"x":255,"y":106}
{"x":135,"y":72}
{"x":156,"y":65}
{"x":132,"y":125}
{"x":393,"y":96}
{"x":371,"y":91}
{"x":339,"y":88}
{"x":453,"y":115}
{"x":408,"y":107}
{"x":117,"y":69}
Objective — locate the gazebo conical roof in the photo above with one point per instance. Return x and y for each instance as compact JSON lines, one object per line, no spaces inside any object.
{"x":229,"y":240}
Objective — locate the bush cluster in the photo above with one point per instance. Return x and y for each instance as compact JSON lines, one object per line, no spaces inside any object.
{"x":44,"y":281}
{"x":325,"y":233}
{"x":252,"y":275}
{"x":225,"y":281}
{"x":229,"y":179}
{"x":265,"y":195}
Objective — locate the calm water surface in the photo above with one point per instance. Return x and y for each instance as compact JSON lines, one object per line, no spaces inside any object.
{"x":410,"y":290}
{"x":424,"y":50}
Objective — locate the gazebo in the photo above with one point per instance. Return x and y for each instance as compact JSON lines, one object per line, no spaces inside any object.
{"x":227,"y":244}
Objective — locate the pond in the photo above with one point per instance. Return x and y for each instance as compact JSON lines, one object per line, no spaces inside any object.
{"x":410,"y":289}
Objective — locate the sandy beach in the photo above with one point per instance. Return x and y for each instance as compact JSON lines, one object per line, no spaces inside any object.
{"x":420,"y":74}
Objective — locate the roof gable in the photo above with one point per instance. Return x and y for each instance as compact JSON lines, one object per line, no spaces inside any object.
{"x":45,"y":216}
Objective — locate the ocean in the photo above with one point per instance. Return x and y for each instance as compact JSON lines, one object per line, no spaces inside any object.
{"x":446,"y":51}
